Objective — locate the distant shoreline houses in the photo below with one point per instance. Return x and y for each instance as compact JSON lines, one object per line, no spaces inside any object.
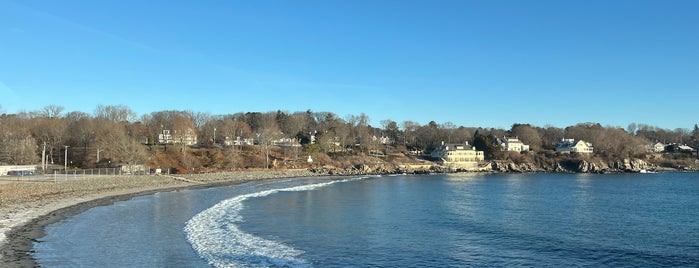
{"x":467,"y":157}
{"x":458,"y":156}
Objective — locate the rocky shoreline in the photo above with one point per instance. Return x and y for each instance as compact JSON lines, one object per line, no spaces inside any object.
{"x":503,"y":166}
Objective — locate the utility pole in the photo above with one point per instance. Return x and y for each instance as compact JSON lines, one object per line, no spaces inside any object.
{"x":65,"y":161}
{"x":43,"y":159}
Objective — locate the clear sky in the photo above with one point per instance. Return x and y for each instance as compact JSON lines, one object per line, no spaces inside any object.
{"x":484,"y":63}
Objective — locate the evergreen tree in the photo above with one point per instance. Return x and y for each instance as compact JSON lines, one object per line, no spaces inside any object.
{"x":487,"y":144}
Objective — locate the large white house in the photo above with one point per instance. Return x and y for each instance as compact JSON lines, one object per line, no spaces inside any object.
{"x":188,"y":138}
{"x":458,"y":155}
{"x":513,"y":145}
{"x":574,"y":146}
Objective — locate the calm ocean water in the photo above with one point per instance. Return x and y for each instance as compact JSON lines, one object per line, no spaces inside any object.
{"x":463,"y":220}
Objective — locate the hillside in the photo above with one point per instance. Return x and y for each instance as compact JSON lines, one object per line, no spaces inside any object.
{"x":206,"y":160}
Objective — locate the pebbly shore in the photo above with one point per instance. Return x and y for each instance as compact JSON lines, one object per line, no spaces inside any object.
{"x":29,"y":204}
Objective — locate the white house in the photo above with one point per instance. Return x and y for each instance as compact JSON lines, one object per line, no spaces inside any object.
{"x":238,"y":141}
{"x":657,"y":147}
{"x":165,"y":137}
{"x":574,"y":146}
{"x":458,"y":155}
{"x":189,"y":137}
{"x":513,"y":145}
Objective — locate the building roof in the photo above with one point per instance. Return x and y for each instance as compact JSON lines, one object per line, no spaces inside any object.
{"x":564,"y":143}
{"x":455,"y":146}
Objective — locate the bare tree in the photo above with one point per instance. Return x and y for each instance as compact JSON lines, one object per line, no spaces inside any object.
{"x":115,"y":113}
{"x":210,"y":132}
{"x":409,"y":128}
{"x":199,"y":118}
{"x":332,"y":132}
{"x":528,"y":135}
{"x":448,"y":128}
{"x":267,"y":131}
{"x":51,"y":111}
{"x":632,"y":128}
{"x":550,"y":135}
{"x":185,"y":132}
{"x":81,"y":132}
{"x":464,"y":134}
{"x":17,"y":146}
{"x":360,"y":130}
{"x":49,"y":133}
{"x":233,"y":131}
{"x":118,"y":145}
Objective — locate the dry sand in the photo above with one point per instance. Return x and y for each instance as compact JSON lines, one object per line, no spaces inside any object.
{"x":28,"y":204}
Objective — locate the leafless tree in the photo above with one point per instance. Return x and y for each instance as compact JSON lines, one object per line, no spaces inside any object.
{"x":267,"y":131}
{"x":409,"y":128}
{"x":528,"y":135}
{"x":448,"y":129}
{"x":17,"y":146}
{"x":81,"y":132}
{"x":51,"y":111}
{"x":550,"y":135}
{"x":49,"y":132}
{"x":121,"y":147}
{"x":464,"y":134}
{"x":184,"y":130}
{"x":231,"y":130}
{"x":360,"y":130}
{"x":199,"y":118}
{"x":115,"y":113}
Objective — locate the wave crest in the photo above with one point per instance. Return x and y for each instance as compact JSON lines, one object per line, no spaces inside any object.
{"x":215,"y":235}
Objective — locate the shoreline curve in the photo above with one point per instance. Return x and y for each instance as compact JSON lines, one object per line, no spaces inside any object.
{"x":24,"y":223}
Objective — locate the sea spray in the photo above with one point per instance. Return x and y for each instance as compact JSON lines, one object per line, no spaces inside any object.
{"x":216,"y":237}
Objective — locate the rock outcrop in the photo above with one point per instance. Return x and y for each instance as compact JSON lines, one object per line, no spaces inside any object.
{"x":573,"y":166}
{"x":509,"y":166}
{"x":631,"y":165}
{"x":550,"y":163}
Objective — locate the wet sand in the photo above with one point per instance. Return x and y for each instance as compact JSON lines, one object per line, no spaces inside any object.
{"x":28,"y":205}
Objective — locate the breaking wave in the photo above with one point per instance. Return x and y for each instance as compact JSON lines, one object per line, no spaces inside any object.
{"x":216,"y":237}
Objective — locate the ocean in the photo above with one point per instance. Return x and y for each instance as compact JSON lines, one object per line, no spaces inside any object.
{"x":439,"y":220}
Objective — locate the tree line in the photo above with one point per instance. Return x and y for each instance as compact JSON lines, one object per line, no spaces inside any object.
{"x":115,"y":135}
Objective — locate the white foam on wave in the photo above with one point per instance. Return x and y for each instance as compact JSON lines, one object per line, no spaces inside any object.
{"x":215,"y":235}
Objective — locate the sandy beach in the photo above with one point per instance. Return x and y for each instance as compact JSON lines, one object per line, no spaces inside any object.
{"x":27,"y":205}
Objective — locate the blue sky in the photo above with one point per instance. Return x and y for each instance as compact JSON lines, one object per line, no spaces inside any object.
{"x":473,"y":63}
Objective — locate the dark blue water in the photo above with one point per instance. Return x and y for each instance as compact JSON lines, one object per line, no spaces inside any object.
{"x":630,"y":220}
